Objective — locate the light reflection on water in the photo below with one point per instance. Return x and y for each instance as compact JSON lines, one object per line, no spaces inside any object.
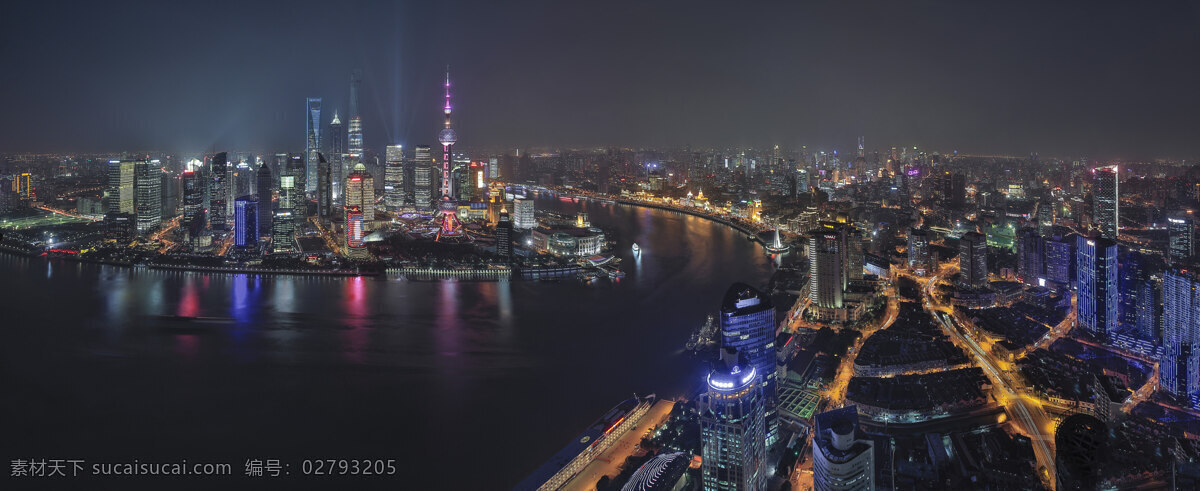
{"x":442,"y":362}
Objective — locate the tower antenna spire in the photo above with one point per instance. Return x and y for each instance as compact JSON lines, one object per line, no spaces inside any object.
{"x":447,"y":204}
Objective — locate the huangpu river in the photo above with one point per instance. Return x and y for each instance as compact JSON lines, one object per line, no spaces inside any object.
{"x":467,"y":385}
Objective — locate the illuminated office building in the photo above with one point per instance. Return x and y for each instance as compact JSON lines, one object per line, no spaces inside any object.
{"x":972,"y":254}
{"x":733,"y":428}
{"x":266,"y":192}
{"x":1180,"y":237}
{"x":748,"y":325}
{"x":325,"y":209}
{"x":1097,"y":295}
{"x":360,"y":192}
{"x":218,"y":191}
{"x":523,"y":212}
{"x":337,"y":157}
{"x":283,"y":231}
{"x":355,"y":232}
{"x":245,"y":222}
{"x":393,"y":178}
{"x":843,"y":458}
{"x":1179,"y":368}
{"x":1105,"y":201}
{"x":119,"y":192}
{"x":504,"y":236}
{"x":147,"y":201}
{"x":918,"y":251}
{"x":312,"y":132}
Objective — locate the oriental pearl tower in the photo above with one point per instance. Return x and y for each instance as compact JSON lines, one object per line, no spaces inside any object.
{"x":447,"y":205}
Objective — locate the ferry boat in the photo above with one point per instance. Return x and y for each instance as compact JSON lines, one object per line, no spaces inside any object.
{"x":636,"y":249}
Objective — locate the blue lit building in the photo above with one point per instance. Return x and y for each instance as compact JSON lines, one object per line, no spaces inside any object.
{"x":245,"y":222}
{"x":733,"y":427}
{"x":1132,"y":266}
{"x":748,"y":325}
{"x":1149,"y":317}
{"x":1097,"y":302}
{"x":1060,"y":260}
{"x":1179,"y":369}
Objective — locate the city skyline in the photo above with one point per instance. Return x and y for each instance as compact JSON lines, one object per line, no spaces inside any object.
{"x":810,"y":246}
{"x":1111,"y":83}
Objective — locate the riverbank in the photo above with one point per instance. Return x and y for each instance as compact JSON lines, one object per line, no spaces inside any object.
{"x":690,"y":211}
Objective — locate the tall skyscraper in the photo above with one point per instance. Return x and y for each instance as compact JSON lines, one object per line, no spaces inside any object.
{"x":1132,"y":270}
{"x":337,"y":157}
{"x":1180,"y":367}
{"x":283,"y":230}
{"x":958,"y":190}
{"x":1097,"y":298}
{"x":1060,"y":260}
{"x":423,"y":187}
{"x":324,"y":189}
{"x":733,"y":429}
{"x":393,"y":178}
{"x":972,"y":256}
{"x":748,"y":325}
{"x":504,"y":236}
{"x":826,"y":280}
{"x":422,"y":154}
{"x":360,"y":192}
{"x":242,"y":182}
{"x":218,"y":191}
{"x":195,"y":213}
{"x":918,"y":251}
{"x":354,"y":135}
{"x":119,"y":192}
{"x":1106,"y":199}
{"x":418,"y":190}
{"x":1181,"y":237}
{"x":1045,"y":218}
{"x":355,"y":232}
{"x":296,"y":197}
{"x":802,"y":182}
{"x":147,"y":201}
{"x":171,"y":188}
{"x":1031,"y":256}
{"x":1150,"y":311}
{"x":524,"y":218}
{"x":843,"y":459}
{"x":447,"y":204}
{"x":266,"y":192}
{"x":245,"y":222}
{"x":312,"y":132}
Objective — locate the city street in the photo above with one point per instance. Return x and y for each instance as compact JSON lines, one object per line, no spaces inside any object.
{"x":1028,"y":416}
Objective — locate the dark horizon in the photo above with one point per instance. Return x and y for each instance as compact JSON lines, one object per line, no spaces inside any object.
{"x":1114,"y":82}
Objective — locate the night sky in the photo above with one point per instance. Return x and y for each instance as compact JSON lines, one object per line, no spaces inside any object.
{"x":1105,"y":81}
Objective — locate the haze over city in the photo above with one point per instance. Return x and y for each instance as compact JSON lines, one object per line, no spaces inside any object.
{"x":635,"y":246}
{"x":1114,"y":80}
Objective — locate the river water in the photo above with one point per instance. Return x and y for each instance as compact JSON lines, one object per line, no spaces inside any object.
{"x":469,"y":385}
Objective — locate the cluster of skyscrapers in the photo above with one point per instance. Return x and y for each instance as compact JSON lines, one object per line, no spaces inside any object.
{"x":739,"y":420}
{"x":133,"y":198}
